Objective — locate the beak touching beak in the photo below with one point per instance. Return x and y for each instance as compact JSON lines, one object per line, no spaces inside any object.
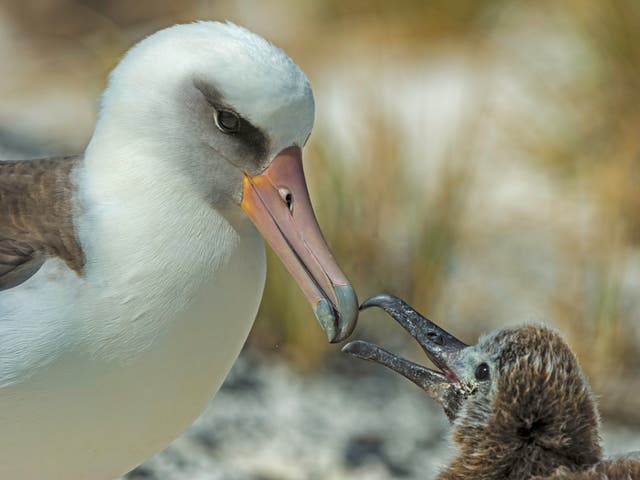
{"x":277,"y":202}
{"x":440,"y":346}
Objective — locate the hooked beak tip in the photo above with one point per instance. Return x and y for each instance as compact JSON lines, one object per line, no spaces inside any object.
{"x":326,"y":315}
{"x":342,"y":336}
{"x":338,"y":322}
{"x":378,"y":301}
{"x":357,"y":348}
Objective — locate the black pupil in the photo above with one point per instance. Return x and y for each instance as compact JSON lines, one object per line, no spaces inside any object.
{"x":289,"y":199}
{"x":482,"y":372}
{"x":228,"y":120}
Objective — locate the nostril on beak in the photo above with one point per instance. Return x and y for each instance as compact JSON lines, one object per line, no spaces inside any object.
{"x":435,"y":338}
{"x":287,"y":197}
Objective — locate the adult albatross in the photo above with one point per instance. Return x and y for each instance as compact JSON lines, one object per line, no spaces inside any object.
{"x":131,"y":275}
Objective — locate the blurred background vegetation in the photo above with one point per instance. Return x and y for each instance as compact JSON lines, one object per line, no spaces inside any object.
{"x":479,"y":158}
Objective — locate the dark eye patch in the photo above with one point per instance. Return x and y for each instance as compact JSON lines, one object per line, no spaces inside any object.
{"x":251,"y":143}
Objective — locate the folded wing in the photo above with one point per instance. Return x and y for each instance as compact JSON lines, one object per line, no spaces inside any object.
{"x":36,"y":217}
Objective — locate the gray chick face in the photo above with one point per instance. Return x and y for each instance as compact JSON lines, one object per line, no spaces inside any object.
{"x":476,"y":368}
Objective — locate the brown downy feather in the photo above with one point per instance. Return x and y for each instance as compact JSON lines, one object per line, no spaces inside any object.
{"x":520,"y":405}
{"x":542,"y":416}
{"x":623,"y":468}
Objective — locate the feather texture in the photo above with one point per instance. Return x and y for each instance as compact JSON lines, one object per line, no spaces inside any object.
{"x":36,"y":218}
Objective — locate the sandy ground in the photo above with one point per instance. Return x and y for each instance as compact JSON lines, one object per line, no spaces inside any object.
{"x":355,"y":422}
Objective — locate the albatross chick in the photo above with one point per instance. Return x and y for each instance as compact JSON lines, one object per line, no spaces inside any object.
{"x":520,"y":405}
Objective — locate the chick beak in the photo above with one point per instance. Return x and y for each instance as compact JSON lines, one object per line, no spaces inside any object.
{"x":440,"y":346}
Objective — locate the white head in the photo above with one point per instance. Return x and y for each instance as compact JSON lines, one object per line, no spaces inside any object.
{"x":213,"y":109}
{"x":166,"y":95}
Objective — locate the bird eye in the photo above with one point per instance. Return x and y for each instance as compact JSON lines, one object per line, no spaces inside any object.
{"x":482,"y":372}
{"x":227,"y":121}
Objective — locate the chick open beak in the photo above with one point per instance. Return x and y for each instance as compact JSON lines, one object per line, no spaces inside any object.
{"x":440,"y":346}
{"x":277,"y":202}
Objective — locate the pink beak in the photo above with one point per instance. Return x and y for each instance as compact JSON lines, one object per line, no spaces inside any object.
{"x":277,"y":202}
